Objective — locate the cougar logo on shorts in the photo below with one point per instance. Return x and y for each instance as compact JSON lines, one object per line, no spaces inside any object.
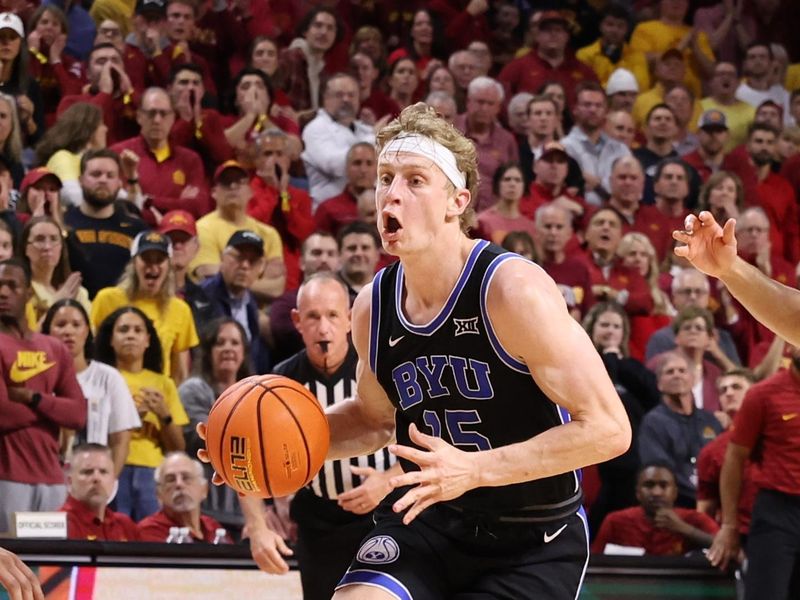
{"x":379,"y":550}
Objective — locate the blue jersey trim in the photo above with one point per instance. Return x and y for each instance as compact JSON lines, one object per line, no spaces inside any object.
{"x":431,"y":327}
{"x":376,"y":579}
{"x":502,"y":354}
{"x":375,"y":320}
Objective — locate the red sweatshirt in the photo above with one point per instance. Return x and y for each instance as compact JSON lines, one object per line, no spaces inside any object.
{"x":29,"y":449}
{"x":164,"y":181}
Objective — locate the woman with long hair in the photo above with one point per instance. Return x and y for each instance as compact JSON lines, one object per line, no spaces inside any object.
{"x":422,"y":46}
{"x":43,"y":246}
{"x":504,"y":216}
{"x":112,"y":414}
{"x":127,"y":340}
{"x":224,"y":360}
{"x":11,"y":138}
{"x":722,"y":195}
{"x":78,"y":129}
{"x":402,"y":82}
{"x":148,"y":283}
{"x":17,"y":81}
{"x":49,"y":65}
{"x":637,"y":252}
{"x":609,"y":329}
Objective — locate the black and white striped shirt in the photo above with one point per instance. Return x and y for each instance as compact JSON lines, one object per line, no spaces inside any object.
{"x":335,"y":476}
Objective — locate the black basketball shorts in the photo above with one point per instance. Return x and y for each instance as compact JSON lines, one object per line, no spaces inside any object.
{"x":447,"y":554}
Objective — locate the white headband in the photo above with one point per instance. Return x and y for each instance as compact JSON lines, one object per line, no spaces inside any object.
{"x":416,"y":143}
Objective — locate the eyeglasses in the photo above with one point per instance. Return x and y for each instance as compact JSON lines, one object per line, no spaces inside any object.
{"x":45,"y":241}
{"x":152,"y":113}
{"x":691,"y":292}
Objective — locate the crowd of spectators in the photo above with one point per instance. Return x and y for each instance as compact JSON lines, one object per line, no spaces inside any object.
{"x":171,"y":171}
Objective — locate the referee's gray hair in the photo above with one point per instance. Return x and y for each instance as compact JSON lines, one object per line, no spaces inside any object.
{"x":198,"y":466}
{"x":483,"y":82}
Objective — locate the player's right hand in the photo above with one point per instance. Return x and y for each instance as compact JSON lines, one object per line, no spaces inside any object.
{"x":725,"y":547}
{"x":17,"y":578}
{"x":709,"y":247}
{"x":202,"y":454}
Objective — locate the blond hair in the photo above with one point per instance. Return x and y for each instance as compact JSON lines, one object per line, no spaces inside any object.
{"x":661,"y":303}
{"x":422,"y":119}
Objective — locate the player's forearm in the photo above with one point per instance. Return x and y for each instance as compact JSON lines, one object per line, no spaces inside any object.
{"x":775,"y":305}
{"x":253,"y":512}
{"x":354,"y":433}
{"x":558,"y":450}
{"x":730,"y":484}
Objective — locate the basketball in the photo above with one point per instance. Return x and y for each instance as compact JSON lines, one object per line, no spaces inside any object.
{"x":267,"y":436}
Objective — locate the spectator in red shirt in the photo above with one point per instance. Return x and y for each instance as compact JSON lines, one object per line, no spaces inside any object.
{"x":495,"y":144}
{"x":275,"y":202}
{"x":610,"y":279}
{"x":627,"y":191}
{"x":359,"y":254}
{"x":196,"y":128}
{"x":553,"y":234}
{"x":39,"y":394}
{"x":170,"y":176}
{"x":550,"y":60}
{"x":180,"y":29}
{"x":496,"y":222}
{"x":712,"y":136}
{"x":731,"y":387}
{"x":361,"y":172}
{"x":91,"y":482}
{"x":656,"y":525}
{"x":375,"y":105}
{"x":181,"y":487}
{"x":111,"y":89}
{"x":671,"y":188}
{"x":464,"y":21}
{"x":768,"y":419}
{"x":769,"y":190}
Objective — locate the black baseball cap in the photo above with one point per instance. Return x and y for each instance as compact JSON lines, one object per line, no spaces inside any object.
{"x":151,"y":6}
{"x":151,"y":240}
{"x":245,"y":237}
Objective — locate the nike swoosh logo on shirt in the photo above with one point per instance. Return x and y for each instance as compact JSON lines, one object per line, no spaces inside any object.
{"x":550,"y":537}
{"x":395,"y":341}
{"x":20,"y":375}
{"x":789,"y":417}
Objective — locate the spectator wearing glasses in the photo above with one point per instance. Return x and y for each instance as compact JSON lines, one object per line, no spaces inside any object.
{"x":231,"y":291}
{"x":232,"y":193}
{"x":692,"y":288}
{"x":181,"y":487}
{"x":169,"y":177}
{"x":110,"y":32}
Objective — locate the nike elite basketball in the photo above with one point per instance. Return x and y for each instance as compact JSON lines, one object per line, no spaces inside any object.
{"x":267,"y":436}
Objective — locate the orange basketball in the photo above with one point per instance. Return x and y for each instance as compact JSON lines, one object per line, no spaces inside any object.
{"x":267,"y":436}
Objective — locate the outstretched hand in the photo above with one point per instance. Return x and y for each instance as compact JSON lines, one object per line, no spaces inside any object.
{"x":445,"y":473}
{"x":709,"y":247}
{"x":17,"y":579}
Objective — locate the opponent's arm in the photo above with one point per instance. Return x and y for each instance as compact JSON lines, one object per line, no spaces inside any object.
{"x":365,"y":423}
{"x":712,"y":249}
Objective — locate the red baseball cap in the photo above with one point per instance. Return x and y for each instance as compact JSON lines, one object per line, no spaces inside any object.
{"x":228,"y":164}
{"x":34,"y":176}
{"x":178,"y":220}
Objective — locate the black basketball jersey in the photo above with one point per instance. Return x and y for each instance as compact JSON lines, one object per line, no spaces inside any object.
{"x":334,"y":477}
{"x":453,"y":379}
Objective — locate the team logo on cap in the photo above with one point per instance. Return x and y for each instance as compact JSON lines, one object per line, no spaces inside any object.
{"x":379,"y":550}
{"x":154,"y":237}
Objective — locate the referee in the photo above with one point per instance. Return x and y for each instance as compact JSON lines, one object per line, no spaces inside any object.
{"x":334,"y":512}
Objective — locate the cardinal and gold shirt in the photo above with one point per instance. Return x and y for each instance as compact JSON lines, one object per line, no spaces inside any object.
{"x":29,"y":450}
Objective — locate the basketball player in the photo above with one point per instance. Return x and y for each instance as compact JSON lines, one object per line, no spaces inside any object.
{"x":334,"y":512}
{"x":496,"y":395}
{"x":712,"y":249}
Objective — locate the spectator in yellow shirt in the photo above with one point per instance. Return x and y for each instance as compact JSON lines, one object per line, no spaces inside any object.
{"x":611,"y":52}
{"x":655,"y":37}
{"x":127,"y":340}
{"x":232,"y":192}
{"x":148,"y":283}
{"x":670,"y":71}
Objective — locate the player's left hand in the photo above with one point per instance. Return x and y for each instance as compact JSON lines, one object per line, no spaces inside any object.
{"x":202,"y":454}
{"x":445,"y":473}
{"x":364,"y":498}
